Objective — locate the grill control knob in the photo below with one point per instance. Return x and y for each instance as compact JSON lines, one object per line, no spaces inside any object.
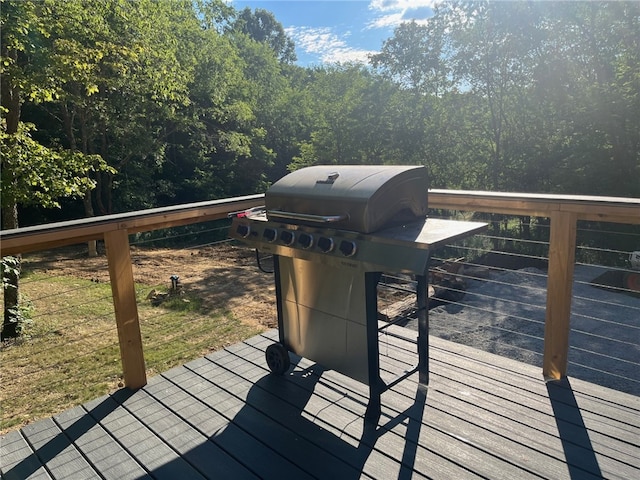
{"x":326,"y":244}
{"x":287,"y":237}
{"x":305,"y":240}
{"x":348,"y":248}
{"x":243,"y":230}
{"x":270,"y":234}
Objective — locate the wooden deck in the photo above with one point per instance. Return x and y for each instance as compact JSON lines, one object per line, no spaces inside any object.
{"x":224,"y":416}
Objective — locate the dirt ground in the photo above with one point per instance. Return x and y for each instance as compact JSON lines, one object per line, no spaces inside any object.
{"x":223,"y":276}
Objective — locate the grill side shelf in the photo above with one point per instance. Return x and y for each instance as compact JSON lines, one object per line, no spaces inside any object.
{"x":431,"y":234}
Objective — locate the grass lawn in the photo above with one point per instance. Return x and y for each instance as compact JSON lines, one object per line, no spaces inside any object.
{"x":69,"y":353}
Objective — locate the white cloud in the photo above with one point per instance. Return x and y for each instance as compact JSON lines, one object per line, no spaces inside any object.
{"x":391,"y":13}
{"x":392,"y":5}
{"x":324,"y":43}
{"x":385,"y":21}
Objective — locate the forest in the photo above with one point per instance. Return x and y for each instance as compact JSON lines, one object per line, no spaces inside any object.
{"x":118,"y":105}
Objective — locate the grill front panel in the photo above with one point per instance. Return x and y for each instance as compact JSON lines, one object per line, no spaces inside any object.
{"x":324,"y":315}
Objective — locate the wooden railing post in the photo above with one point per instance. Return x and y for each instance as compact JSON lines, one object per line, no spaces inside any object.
{"x":126,"y":309}
{"x":562,"y":246}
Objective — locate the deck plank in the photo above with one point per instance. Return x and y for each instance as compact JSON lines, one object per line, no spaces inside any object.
{"x":18,"y":460}
{"x":542,"y":427}
{"x":617,"y":416}
{"x":56,"y":452}
{"x":226,"y":416}
{"x":617,"y":461}
{"x":154,"y":455}
{"x":190,"y":443}
{"x":104,"y":453}
{"x":289,"y":414}
{"x":327,"y":410}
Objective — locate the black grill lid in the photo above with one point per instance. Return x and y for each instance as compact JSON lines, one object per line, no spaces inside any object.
{"x":362,"y":198}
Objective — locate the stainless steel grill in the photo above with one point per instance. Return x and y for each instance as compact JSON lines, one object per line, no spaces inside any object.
{"x":333,"y":231}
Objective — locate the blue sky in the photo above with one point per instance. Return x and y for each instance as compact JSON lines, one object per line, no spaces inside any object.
{"x":333,"y":31}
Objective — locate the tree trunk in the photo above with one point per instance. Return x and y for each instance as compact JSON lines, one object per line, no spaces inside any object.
{"x":88,"y":210}
{"x":92,"y":245}
{"x":10,"y":281}
{"x":11,"y":100}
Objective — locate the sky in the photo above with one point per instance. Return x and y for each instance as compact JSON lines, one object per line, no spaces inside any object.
{"x":333,"y":31}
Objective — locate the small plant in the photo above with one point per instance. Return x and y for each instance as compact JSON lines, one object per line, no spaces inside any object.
{"x":16,"y":315}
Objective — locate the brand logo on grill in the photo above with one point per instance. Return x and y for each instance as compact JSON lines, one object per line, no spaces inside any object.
{"x":348,"y":264}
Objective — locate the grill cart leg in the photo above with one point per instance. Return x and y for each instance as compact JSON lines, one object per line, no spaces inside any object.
{"x":277,"y":354}
{"x":276,"y":275}
{"x":376,"y":385}
{"x":423,"y":328}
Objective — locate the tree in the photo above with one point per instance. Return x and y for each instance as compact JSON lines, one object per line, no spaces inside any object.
{"x":414,"y":57}
{"x":126,"y":67}
{"x":596,"y":71}
{"x":359,"y":117}
{"x":490,"y":55}
{"x":520,"y":96}
{"x":290,"y":121}
{"x":35,"y":175}
{"x":30,"y":172}
{"x":261,"y":26}
{"x":216,"y":150}
{"x":336,"y":91}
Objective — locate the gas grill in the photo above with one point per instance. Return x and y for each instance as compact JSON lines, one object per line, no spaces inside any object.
{"x":333,"y":231}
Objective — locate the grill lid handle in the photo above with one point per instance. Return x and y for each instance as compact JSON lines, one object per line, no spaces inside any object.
{"x":331,"y":178}
{"x":307,"y":217}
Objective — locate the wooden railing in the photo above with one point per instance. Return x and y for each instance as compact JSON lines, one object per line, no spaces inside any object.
{"x":115,"y":230}
{"x":563,"y":211}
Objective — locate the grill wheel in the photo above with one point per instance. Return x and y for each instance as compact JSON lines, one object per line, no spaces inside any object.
{"x":278,"y":359}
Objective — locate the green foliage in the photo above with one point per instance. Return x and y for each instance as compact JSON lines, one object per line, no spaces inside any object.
{"x":10,"y":266}
{"x":17,"y":316}
{"x":353,"y":117}
{"x":530,"y":96}
{"x":261,"y":26}
{"x":190,"y":101}
{"x":414,"y":58}
{"x":23,"y":64}
{"x":36,"y":175}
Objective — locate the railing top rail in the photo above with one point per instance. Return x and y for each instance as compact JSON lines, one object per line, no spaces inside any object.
{"x":41,"y":237}
{"x":597,"y":208}
{"x":537,"y":197}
